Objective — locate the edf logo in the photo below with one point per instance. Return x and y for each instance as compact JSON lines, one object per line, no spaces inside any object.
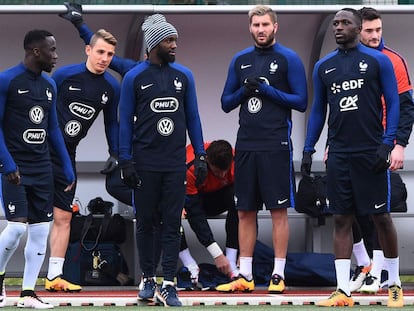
{"x":347,"y":85}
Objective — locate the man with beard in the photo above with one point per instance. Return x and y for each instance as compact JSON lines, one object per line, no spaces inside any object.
{"x":158,"y":105}
{"x":267,"y":81}
{"x":351,"y":80}
{"x":28,"y":126}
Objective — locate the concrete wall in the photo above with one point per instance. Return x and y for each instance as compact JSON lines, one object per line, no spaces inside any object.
{"x":208,"y":38}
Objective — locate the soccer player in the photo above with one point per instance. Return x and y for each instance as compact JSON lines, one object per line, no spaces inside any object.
{"x":351,"y":81}
{"x":84,"y":90}
{"x":266,"y":82}
{"x":28,"y":126}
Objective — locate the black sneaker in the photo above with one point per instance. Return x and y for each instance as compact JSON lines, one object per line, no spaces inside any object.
{"x":168,"y":297}
{"x":148,"y":290}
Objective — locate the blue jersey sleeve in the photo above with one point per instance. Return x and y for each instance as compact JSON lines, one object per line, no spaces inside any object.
{"x":318,"y":113}
{"x":111,"y":117}
{"x":232,"y":94}
{"x":9,"y":166}
{"x":126,"y":117}
{"x":85,"y":33}
{"x":56,"y":139}
{"x":405,"y":124}
{"x":193,"y":117}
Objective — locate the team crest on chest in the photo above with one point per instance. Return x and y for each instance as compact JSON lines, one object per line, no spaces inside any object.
{"x":273,"y":67}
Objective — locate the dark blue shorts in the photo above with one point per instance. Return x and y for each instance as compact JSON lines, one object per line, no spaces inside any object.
{"x":32,"y":199}
{"x":264,"y":178}
{"x":352,"y":186}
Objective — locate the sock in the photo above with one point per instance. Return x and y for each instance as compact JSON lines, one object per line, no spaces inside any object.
{"x":361,"y":254}
{"x":279,"y":267}
{"x":189,"y":262}
{"x":9,"y":241}
{"x":246,"y":267}
{"x":55,"y":267}
{"x":231,"y":254}
{"x":342,"y":268}
{"x":377,"y":263}
{"x":393,"y":267}
{"x":165,"y":283}
{"x":186,"y":258}
{"x":34,"y":253}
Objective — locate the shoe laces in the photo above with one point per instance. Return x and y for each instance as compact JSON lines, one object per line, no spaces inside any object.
{"x":168,"y":291}
{"x":149,"y":284}
{"x":395,"y":292}
{"x":337,"y":293}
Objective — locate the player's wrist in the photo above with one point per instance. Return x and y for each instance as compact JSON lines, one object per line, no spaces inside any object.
{"x":214,"y":250}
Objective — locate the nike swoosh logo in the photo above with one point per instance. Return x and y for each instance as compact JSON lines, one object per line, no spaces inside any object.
{"x":379,"y":205}
{"x":143,"y":87}
{"x":282,"y":201}
{"x":49,"y":214}
{"x":245,"y":66}
{"x":72,"y":88}
{"x":76,"y":14}
{"x":19,"y":91}
{"x":329,"y":70}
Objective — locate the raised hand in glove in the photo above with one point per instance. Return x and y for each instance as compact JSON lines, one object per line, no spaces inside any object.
{"x":383,"y":158}
{"x":129,"y":175}
{"x":251,"y":85}
{"x":200,"y":169}
{"x":73,"y":13}
{"x":305,"y":167}
{"x":110,"y":165}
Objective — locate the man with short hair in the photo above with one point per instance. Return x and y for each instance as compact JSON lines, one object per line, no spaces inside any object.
{"x":84,"y":90}
{"x":351,"y":81}
{"x":28,"y":126}
{"x":267,"y":82}
{"x":211,"y":198}
{"x":367,"y":276}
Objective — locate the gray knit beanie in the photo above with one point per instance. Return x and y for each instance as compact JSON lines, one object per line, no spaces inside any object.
{"x":156,"y":28}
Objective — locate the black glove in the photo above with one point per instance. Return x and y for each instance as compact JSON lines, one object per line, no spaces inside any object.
{"x":73,"y":13}
{"x":305,"y":166}
{"x":129,"y":175}
{"x":200,"y":169}
{"x":383,"y":160}
{"x":110,"y":165}
{"x":251,"y":85}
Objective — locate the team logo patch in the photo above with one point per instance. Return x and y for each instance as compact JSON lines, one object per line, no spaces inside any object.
{"x":34,"y":136}
{"x":72,"y":128}
{"x":49,"y":94}
{"x":11,"y":207}
{"x":36,"y":114}
{"x":254,"y":105}
{"x":165,"y":126}
{"x":164,"y":104}
{"x":178,"y":85}
{"x":82,"y":111}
